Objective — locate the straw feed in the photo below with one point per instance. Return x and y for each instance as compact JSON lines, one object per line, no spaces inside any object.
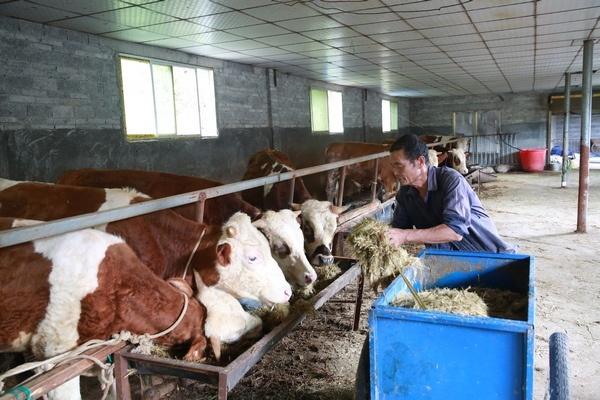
{"x":380,"y":260}
{"x":504,"y":303}
{"x":455,"y":301}
{"x":272,"y":316}
{"x":325,"y":275}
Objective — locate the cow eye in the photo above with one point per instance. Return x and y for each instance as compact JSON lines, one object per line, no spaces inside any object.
{"x":282,"y":250}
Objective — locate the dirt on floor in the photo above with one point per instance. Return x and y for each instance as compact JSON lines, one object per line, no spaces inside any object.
{"x":318,"y":359}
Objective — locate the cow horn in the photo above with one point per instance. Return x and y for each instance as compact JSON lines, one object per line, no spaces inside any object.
{"x":296,"y":206}
{"x":338,"y":210}
{"x":230,"y":231}
{"x":181,"y":285}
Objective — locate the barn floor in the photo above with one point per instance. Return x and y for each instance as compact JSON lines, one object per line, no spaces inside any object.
{"x":318,"y":360}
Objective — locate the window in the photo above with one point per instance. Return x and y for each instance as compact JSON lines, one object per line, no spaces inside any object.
{"x":163,"y":100}
{"x":326,"y":111}
{"x":389,"y":115}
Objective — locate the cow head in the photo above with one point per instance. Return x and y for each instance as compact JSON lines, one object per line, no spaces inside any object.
{"x":283,"y":232}
{"x":319,"y":222}
{"x":458,"y":160}
{"x":245,"y":265}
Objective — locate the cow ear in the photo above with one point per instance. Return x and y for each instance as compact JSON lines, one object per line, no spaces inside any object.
{"x":338,"y":210}
{"x":296,"y":206}
{"x":224,"y":254}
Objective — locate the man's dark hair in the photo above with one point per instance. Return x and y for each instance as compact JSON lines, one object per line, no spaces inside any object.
{"x":413,"y":147}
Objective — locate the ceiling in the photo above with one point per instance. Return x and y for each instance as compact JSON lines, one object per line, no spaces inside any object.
{"x":399,"y":47}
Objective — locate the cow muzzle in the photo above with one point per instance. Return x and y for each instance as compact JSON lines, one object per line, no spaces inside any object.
{"x":322,"y":256}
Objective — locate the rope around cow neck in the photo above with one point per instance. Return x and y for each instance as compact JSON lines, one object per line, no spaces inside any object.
{"x":144,"y":342}
{"x":194,"y":251}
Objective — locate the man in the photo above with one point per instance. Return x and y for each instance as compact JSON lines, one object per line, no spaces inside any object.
{"x":439,"y":203}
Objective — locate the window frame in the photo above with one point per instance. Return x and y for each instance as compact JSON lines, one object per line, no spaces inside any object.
{"x":310,"y":98}
{"x":391,"y":124}
{"x":156,"y":136}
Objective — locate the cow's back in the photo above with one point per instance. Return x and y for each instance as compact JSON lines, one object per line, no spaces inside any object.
{"x":43,"y":201}
{"x":161,"y":184}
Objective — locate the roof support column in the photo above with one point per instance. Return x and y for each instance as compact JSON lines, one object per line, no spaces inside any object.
{"x":586,"y":127}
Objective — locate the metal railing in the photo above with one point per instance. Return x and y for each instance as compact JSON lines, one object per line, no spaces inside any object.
{"x":493,"y":149}
{"x":56,"y":227}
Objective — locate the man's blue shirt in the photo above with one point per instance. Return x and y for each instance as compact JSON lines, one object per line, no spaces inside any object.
{"x":451,"y":201}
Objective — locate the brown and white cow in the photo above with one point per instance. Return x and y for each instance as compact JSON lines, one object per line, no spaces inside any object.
{"x":282,"y":231}
{"x":59,"y":292}
{"x":234,"y":258}
{"x":317,"y":226}
{"x":160,"y":184}
{"x":452,"y":150}
{"x":361,"y":175}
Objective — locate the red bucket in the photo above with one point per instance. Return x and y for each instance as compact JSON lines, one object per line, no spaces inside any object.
{"x":533,"y":160}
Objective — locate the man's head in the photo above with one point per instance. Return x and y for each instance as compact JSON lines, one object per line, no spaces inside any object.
{"x":409,"y":156}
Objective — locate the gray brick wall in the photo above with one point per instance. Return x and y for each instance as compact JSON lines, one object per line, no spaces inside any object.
{"x":60,"y":108}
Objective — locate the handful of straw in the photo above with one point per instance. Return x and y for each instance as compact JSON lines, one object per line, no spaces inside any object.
{"x":455,"y":301}
{"x":378,"y":257}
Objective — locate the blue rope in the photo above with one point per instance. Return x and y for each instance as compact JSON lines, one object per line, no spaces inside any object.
{"x":20,"y":389}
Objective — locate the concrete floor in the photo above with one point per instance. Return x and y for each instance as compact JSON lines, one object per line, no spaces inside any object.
{"x":532,"y":211}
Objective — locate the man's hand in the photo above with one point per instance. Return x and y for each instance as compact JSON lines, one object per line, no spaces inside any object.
{"x":398,"y":236}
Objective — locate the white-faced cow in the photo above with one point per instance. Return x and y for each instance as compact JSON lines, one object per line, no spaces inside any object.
{"x":315,"y":216}
{"x":452,"y":150}
{"x":59,"y":292}
{"x":160,"y":184}
{"x":282,"y":230}
{"x":361,"y":175}
{"x":234,"y":258}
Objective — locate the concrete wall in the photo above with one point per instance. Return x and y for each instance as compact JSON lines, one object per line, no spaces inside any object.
{"x":60,"y":109}
{"x":525,"y":114}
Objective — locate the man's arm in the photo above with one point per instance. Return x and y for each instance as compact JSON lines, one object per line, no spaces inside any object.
{"x":437,"y":234}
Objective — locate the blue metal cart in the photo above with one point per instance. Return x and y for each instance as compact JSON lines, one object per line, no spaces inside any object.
{"x":433,"y":355}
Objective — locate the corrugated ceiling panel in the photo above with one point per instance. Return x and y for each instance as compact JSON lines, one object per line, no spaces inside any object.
{"x":382,"y":27}
{"x":256,"y":31}
{"x":178,"y":28}
{"x":309,"y":24}
{"x":279,"y":12}
{"x":135,"y":35}
{"x":332,"y":33}
{"x":185,"y":9}
{"x":89,"y":24}
{"x":503,"y":24}
{"x":502,"y":12}
{"x":280,"y":40}
{"x":213,"y":37}
{"x":33,"y":12}
{"x":134,"y":17}
{"x":348,"y":41}
{"x":435,"y":21}
{"x":242,"y":45}
{"x":85,"y":7}
{"x":227,"y":20}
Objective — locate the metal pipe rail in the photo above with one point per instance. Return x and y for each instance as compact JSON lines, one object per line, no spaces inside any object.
{"x":25,"y":234}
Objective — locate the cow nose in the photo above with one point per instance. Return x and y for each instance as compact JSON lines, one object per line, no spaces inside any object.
{"x":325,"y":260}
{"x":308,"y":279}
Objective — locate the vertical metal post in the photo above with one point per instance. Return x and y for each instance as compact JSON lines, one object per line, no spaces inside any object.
{"x":340,"y":197}
{"x":374,"y":183}
{"x":586,"y":127}
{"x":200,"y":207}
{"x":548,"y":137}
{"x":565,"y":152}
{"x":358,"y":303}
{"x":292,"y":188}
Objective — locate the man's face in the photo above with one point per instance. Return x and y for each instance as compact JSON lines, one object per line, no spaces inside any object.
{"x":406,"y":171}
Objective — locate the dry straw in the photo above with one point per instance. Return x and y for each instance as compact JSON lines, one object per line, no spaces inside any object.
{"x":455,"y":301}
{"x":379,"y":259}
